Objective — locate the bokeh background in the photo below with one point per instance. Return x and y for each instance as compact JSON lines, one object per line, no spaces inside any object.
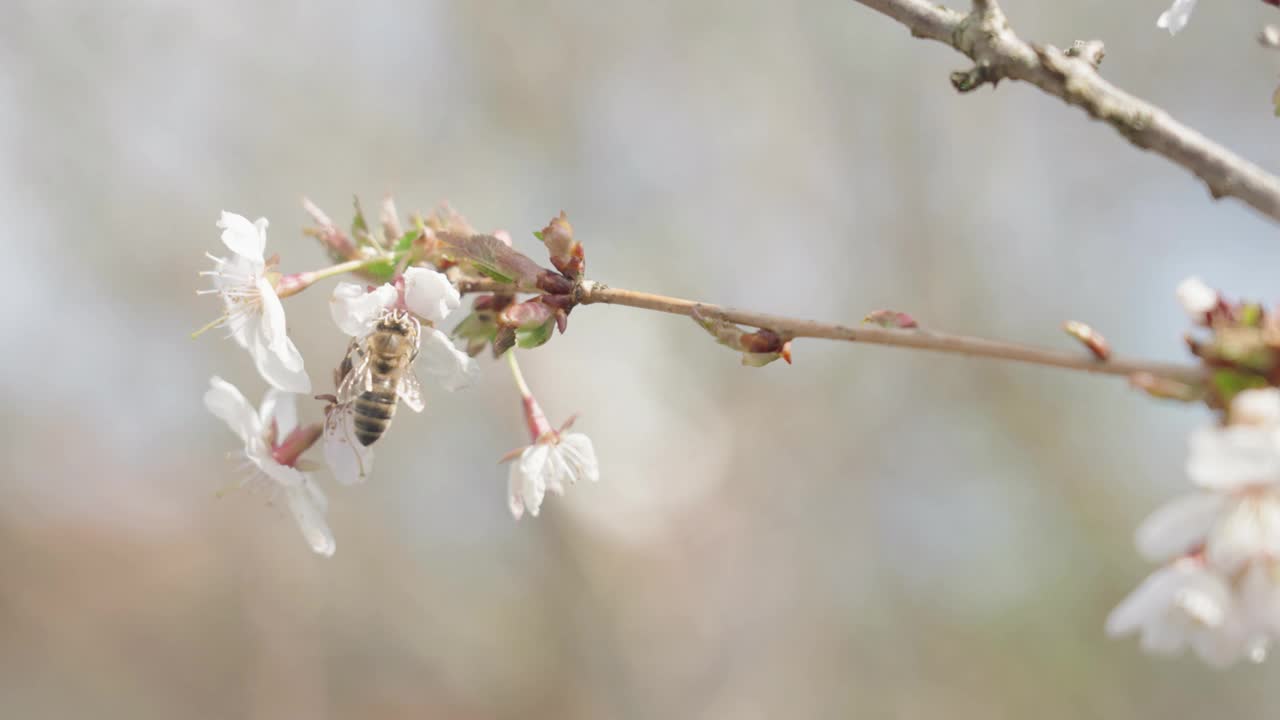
{"x":868,"y":533}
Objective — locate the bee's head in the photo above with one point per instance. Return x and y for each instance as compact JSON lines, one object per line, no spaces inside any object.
{"x":399,"y":320}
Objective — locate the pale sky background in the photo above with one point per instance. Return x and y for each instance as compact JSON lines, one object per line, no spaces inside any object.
{"x":868,"y":533}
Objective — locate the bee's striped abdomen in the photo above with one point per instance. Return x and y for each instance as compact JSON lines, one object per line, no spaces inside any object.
{"x":374,"y":410}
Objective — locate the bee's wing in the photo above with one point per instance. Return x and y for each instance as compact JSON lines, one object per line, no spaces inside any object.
{"x":410,"y":390}
{"x":358,"y":379}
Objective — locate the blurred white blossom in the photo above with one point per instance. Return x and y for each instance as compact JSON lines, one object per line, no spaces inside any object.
{"x":1178,"y":605}
{"x":1176,"y":17}
{"x":272,"y":446}
{"x":1196,"y":298}
{"x":1220,"y":592}
{"x":252,"y":310}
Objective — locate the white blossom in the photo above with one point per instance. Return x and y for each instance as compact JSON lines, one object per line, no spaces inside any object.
{"x":1178,"y":605}
{"x":1220,"y":593}
{"x":356,"y":311}
{"x":1243,"y":454}
{"x":430,"y":296}
{"x":1197,"y":298}
{"x":551,"y":463}
{"x":261,"y":432}
{"x":252,"y":311}
{"x":1176,"y":17}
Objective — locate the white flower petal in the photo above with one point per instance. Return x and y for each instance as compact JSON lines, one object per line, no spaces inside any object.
{"x":530,"y":471}
{"x":355,"y":311}
{"x":246,"y":239}
{"x":226,"y":402}
{"x":515,"y":487}
{"x":1251,"y":529}
{"x":1195,"y":297}
{"x":1178,"y":526}
{"x":282,"y":407}
{"x":1149,"y":600}
{"x":1234,"y":457}
{"x":1176,"y":17}
{"x":1258,"y":599}
{"x":429,"y":294}
{"x":1183,"y":604}
{"x":284,"y":475}
{"x":276,"y":370}
{"x":556,"y":472}
{"x":272,"y":328}
{"x":439,"y":358}
{"x":348,"y":460}
{"x":310,"y":517}
{"x":580,"y":456}
{"x":1257,"y":407}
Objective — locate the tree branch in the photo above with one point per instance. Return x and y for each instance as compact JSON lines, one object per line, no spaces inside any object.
{"x":986,"y":38}
{"x":588,"y":292}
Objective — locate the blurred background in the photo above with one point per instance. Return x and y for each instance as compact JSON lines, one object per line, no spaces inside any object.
{"x":871,"y":532}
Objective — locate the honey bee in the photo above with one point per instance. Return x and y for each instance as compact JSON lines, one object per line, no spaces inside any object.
{"x":378,"y":371}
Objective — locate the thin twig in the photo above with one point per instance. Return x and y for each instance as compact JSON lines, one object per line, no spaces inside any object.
{"x":986,"y":38}
{"x":593,"y":293}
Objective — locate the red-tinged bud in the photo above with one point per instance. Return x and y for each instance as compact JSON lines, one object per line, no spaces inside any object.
{"x":294,"y":283}
{"x":566,"y":253}
{"x":298,"y":442}
{"x":532,"y":321}
{"x":504,"y":236}
{"x":554,"y":283}
{"x":758,"y":348}
{"x":562,"y":321}
{"x":493,"y":303}
{"x":761,"y":341}
{"x":1166,"y":388}
{"x":559,"y":302}
{"x":891,"y":319}
{"x":336,"y":242}
{"x":535,"y":419}
{"x":389,"y":218}
{"x":1088,"y":337}
{"x":530,"y":313}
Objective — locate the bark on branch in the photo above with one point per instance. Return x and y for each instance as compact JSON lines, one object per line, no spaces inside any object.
{"x":985,"y":37}
{"x":587,"y":292}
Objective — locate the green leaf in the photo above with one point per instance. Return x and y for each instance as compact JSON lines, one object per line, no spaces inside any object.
{"x":492,"y":257}
{"x":534,"y":336}
{"x":406,"y":241}
{"x":1229,"y":383}
{"x":381,"y":271}
{"x":359,"y":228}
{"x":1251,"y":315}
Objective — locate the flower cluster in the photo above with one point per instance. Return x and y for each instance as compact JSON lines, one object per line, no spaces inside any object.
{"x":1218,"y":590}
{"x":390,"y":329}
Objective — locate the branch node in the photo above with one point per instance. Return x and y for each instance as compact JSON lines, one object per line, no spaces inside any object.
{"x":969,"y":80}
{"x":1091,"y":51}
